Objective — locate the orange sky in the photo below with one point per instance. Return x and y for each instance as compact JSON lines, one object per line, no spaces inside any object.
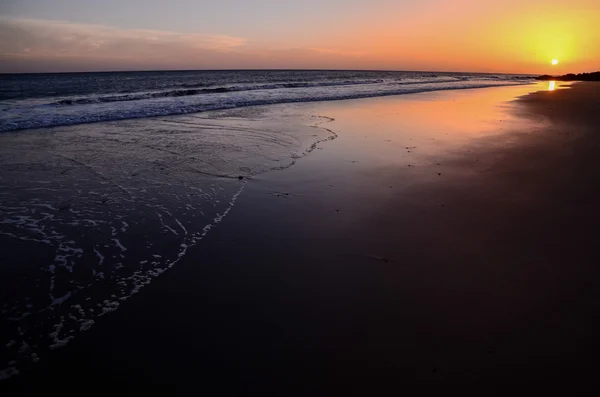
{"x":512,"y":36}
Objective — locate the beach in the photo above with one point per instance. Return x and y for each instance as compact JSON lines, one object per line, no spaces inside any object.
{"x":434,"y":237}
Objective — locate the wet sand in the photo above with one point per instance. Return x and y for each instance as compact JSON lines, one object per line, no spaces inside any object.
{"x":442,"y":237}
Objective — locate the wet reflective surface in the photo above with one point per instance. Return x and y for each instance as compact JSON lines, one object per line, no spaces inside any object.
{"x":91,"y":214}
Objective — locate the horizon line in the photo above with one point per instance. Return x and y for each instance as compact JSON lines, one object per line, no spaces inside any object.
{"x":264,"y":69}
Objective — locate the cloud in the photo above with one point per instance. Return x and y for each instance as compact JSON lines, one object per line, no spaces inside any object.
{"x":32,"y":45}
{"x":32,"y":39}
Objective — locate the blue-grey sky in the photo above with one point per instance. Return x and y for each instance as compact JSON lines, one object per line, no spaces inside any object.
{"x":461,"y":35}
{"x":254,"y":19}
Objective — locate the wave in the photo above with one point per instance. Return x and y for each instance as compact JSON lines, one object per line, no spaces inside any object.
{"x":137,"y":97}
{"x":180,"y":102}
{"x":194,"y":89}
{"x":217,"y":90}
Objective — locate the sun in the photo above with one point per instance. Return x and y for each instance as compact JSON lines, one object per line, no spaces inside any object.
{"x":555,"y":61}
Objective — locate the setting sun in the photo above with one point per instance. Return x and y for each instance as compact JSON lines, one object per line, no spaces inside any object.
{"x":555,"y":61}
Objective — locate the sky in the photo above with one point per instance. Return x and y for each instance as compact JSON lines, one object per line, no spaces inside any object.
{"x":499,"y":36}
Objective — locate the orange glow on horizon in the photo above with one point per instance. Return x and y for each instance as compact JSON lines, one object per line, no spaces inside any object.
{"x":465,"y":35}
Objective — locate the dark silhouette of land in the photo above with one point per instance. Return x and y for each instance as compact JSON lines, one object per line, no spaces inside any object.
{"x":594,"y":76}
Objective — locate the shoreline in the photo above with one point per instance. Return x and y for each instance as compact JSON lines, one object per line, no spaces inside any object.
{"x":355,"y":253}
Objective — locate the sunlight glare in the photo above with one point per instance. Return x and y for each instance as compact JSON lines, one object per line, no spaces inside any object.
{"x":551,"y":85}
{"x":555,"y":61}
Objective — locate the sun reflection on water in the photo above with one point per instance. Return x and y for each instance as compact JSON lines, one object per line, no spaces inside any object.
{"x":551,"y":85}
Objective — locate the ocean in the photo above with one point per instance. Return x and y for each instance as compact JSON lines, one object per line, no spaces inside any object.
{"x":50,"y":100}
{"x":109,"y":179}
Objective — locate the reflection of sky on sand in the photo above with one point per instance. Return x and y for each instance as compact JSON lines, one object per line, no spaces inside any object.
{"x":403,"y":128}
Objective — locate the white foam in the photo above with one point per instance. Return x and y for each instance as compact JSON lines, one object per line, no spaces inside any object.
{"x":61,"y":343}
{"x":109,"y":306}
{"x":180,"y":225}
{"x":79,"y":309}
{"x":8,"y":372}
{"x":118,"y":244}
{"x":166,"y":226}
{"x":68,"y":252}
{"x":85,"y":325}
{"x":24,"y":347}
{"x":100,"y":256}
{"x":60,"y":300}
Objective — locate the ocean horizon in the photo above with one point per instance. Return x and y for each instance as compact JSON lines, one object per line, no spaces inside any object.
{"x":265,"y":70}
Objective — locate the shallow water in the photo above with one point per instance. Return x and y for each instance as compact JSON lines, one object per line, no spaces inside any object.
{"x":93,"y":213}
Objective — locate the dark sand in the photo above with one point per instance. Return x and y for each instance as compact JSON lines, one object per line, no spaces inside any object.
{"x":476,"y":260}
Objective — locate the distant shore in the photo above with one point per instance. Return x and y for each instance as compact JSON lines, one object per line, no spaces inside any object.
{"x":595,"y":76}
